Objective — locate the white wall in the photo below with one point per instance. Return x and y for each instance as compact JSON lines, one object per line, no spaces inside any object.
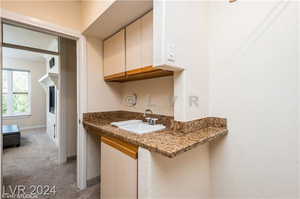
{"x":254,"y":85}
{"x":68,"y":91}
{"x":155,"y":94}
{"x":65,"y":13}
{"x":91,"y":10}
{"x":182,"y":177}
{"x":180,"y":29}
{"x":185,"y":34}
{"x":101,"y":97}
{"x":38,"y":95}
{"x":298,"y":83}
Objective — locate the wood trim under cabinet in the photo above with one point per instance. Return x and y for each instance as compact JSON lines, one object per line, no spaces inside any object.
{"x":126,"y":148}
{"x":147,"y":72}
{"x":118,"y":76}
{"x":148,"y":75}
{"x":141,"y":70}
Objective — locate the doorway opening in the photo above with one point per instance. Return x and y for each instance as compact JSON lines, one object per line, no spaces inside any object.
{"x":39,"y":112}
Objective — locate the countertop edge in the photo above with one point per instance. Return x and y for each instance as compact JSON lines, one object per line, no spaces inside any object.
{"x":97,"y":130}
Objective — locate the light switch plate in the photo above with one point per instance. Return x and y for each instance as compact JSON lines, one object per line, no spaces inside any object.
{"x":171,"y":53}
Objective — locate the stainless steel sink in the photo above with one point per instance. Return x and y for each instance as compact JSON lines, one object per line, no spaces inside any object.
{"x":138,"y":126}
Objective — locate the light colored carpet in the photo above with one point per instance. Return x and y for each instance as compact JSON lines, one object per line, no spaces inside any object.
{"x":35,"y":163}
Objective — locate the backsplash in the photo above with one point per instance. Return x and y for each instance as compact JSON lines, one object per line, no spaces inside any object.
{"x":155,"y":94}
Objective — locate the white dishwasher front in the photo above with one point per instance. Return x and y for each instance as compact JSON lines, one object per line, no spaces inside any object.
{"x":118,"y":169}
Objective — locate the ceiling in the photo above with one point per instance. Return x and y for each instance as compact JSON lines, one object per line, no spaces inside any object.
{"x":118,"y":15}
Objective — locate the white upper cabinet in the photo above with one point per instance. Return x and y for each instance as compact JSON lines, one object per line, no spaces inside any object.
{"x":147,"y":39}
{"x":133,"y":45}
{"x":128,"y":55}
{"x":114,"y":55}
{"x":139,"y":43}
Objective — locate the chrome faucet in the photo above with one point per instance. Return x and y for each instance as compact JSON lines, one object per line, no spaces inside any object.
{"x":148,"y":111}
{"x":151,"y":121}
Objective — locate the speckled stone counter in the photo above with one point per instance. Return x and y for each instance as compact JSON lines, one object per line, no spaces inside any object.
{"x":177,"y":138}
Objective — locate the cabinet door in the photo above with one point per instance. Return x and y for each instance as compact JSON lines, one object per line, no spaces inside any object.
{"x":114,"y":54}
{"x":147,"y":39}
{"x":133,"y":45}
{"x":118,"y":174}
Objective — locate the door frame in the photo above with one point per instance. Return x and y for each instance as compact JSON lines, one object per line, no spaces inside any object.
{"x":81,"y":87}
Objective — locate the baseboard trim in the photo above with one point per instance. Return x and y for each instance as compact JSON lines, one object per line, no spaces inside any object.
{"x":93,"y":181}
{"x":32,"y":127}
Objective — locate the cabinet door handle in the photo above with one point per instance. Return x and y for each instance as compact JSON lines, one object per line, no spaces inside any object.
{"x":126,"y":148}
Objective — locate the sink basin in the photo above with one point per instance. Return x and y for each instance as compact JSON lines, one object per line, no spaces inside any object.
{"x":124,"y":123}
{"x":138,"y":126}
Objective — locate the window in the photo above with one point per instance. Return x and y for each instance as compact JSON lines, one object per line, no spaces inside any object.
{"x":16,"y":92}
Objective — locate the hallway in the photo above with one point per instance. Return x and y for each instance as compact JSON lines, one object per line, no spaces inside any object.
{"x":34,"y":163}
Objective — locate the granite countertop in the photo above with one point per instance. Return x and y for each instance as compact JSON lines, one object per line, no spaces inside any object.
{"x":177,"y":138}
